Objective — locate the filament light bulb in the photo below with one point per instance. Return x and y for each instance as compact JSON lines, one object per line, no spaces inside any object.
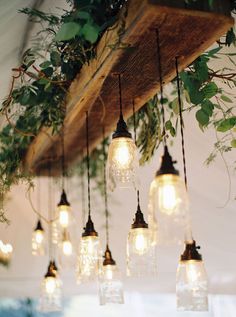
{"x":38,"y":240}
{"x":39,"y":236}
{"x":64,"y":216}
{"x":50,"y":299}
{"x":191,"y":281}
{"x":64,"y":211}
{"x":168,"y":189}
{"x":108,"y":271}
{"x":89,"y":259}
{"x":122,"y":162}
{"x":141,"y":240}
{"x":50,"y":284}
{"x":110,"y":285}
{"x":67,"y":247}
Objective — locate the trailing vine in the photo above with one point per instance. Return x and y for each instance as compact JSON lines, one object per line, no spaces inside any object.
{"x":67,"y":42}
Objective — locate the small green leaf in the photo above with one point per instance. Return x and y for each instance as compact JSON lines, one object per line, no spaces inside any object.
{"x":202,"y":117}
{"x":83,"y":15}
{"x":225,"y":98}
{"x":90,"y":32}
{"x":67,"y":31}
{"x":214,"y":51}
{"x":230,"y":37}
{"x":45,"y":64}
{"x":226,"y":124}
{"x":42,"y":81}
{"x":210,"y":90}
{"x":175,"y":106}
{"x":233,"y":143}
{"x":55,"y":58}
{"x":207,"y":106}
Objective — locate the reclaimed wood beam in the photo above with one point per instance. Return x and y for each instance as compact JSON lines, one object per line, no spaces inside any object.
{"x":129,"y":48}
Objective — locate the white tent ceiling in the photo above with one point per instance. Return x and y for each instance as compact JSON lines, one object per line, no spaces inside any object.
{"x":213,"y":225}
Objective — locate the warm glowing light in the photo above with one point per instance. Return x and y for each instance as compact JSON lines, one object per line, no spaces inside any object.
{"x":39,"y":236}
{"x":192,"y":271}
{"x":89,"y":258}
{"x":108,"y":271}
{"x":110,"y":285}
{"x":122,"y":163}
{"x":64,"y":215}
{"x":50,"y":285}
{"x":170,"y":193}
{"x":140,"y":240}
{"x":67,"y":247}
{"x":38,"y":242}
{"x":191,"y":286}
{"x":122,"y":155}
{"x":167,"y":197}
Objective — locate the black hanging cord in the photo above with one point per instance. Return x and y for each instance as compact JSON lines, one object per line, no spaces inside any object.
{"x":49,"y":212}
{"x":120,"y":95}
{"x":39,"y":196}
{"x":135,"y":136}
{"x":134,"y":121}
{"x":181,"y":121}
{"x":138,"y":198}
{"x":63,"y":170}
{"x":88,"y":163}
{"x":161,"y":84}
{"x":83,"y":198}
{"x":105,"y":187}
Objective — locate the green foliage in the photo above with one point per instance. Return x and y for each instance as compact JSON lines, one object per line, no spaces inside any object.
{"x":37,"y":98}
{"x":63,"y":46}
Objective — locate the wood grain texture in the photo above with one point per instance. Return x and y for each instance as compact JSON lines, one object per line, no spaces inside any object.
{"x":183,"y":32}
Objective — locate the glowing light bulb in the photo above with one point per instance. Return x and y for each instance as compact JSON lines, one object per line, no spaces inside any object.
{"x":122,"y":163}
{"x":39,"y":236}
{"x":141,"y":240}
{"x":64,"y":216}
{"x":38,"y":243}
{"x":108,"y":272}
{"x":192,"y":271}
{"x":191,"y":280}
{"x":167,"y":198}
{"x":67,"y":247}
{"x":50,"y":285}
{"x":89,"y":258}
{"x":122,"y":155}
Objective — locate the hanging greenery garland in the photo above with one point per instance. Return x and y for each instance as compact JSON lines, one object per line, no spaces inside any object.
{"x":65,"y":43}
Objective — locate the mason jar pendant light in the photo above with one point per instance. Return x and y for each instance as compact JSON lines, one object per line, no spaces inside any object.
{"x":191,"y":278}
{"x":38,"y":235}
{"x":38,"y":240}
{"x":110,"y":285}
{"x":64,"y":212}
{"x":66,"y":245}
{"x":50,"y":298}
{"x":122,"y":163}
{"x":89,"y":257}
{"x":167,"y":194}
{"x":66,"y":254}
{"x":141,"y":255}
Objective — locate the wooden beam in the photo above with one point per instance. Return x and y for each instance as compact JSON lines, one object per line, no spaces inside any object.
{"x":183,"y":32}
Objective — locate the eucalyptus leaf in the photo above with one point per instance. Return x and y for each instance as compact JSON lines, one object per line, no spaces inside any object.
{"x":202,"y":117}
{"x":226,"y":124}
{"x":233,"y":143}
{"x":226,"y":99}
{"x":210,"y":90}
{"x":68,"y":31}
{"x":90,"y":32}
